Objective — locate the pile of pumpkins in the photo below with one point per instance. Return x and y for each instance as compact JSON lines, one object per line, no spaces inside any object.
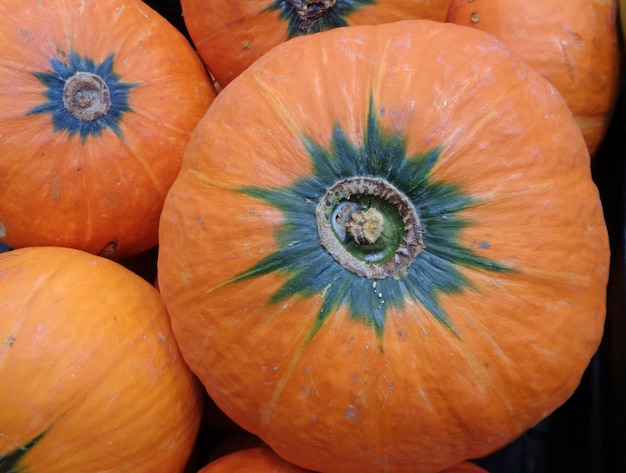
{"x":378,"y":244}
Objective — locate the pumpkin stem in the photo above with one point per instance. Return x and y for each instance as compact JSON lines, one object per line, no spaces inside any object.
{"x":369,"y":227}
{"x":365,"y":226}
{"x":86,"y":96}
{"x":310,"y":12}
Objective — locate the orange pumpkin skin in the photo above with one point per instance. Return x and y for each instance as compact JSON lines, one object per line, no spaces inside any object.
{"x":251,"y":460}
{"x":264,"y":460}
{"x":573,"y":44}
{"x":91,"y":378}
{"x":483,"y":334}
{"x":229,"y":36}
{"x":94,"y":178}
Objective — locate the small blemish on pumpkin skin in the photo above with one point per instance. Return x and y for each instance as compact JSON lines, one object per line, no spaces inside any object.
{"x":480,"y":244}
{"x":109,"y":250}
{"x":25,"y":36}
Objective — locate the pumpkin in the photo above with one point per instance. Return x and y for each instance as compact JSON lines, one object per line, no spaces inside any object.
{"x":262,"y":459}
{"x":384,"y":250}
{"x":251,"y":460}
{"x":91,"y":378}
{"x":572,"y":43}
{"x":98,"y":102}
{"x":229,"y":35}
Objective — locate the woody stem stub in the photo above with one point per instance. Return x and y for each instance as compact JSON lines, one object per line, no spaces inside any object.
{"x":310,"y":12}
{"x":86,"y":96}
{"x":370,"y":227}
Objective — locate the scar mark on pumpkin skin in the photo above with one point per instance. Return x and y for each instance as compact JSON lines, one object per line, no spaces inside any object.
{"x":315,"y":390}
{"x":56,"y":194}
{"x":567,"y":60}
{"x":109,"y":250}
{"x":387,"y":394}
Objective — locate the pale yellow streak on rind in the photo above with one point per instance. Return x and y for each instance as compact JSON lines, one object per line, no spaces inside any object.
{"x":13,"y":333}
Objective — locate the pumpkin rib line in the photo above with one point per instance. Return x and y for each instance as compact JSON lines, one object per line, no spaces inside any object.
{"x":156,"y":122}
{"x":35,"y":292}
{"x":460,"y":138}
{"x":138,"y":154}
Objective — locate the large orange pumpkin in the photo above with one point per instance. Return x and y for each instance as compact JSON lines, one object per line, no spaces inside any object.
{"x":572,"y":43}
{"x":98,"y":101}
{"x":230,"y":35}
{"x":264,"y":460}
{"x":251,"y":460}
{"x":91,"y":378}
{"x":384,"y":250}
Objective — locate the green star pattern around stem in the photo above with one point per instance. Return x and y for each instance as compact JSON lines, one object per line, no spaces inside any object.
{"x":55,"y":81}
{"x":9,"y":461}
{"x":334,"y":17}
{"x":310,"y":269}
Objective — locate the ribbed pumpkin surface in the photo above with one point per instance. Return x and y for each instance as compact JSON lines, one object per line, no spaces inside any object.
{"x":91,"y":378}
{"x":572,"y":43}
{"x":385,"y":250}
{"x":98,"y":101}
{"x":251,"y":460}
{"x":229,"y":36}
